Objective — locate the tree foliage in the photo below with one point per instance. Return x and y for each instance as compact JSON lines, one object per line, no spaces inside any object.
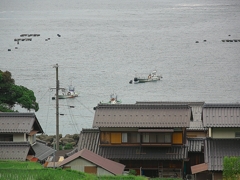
{"x":231,"y":168}
{"x":11,"y":94}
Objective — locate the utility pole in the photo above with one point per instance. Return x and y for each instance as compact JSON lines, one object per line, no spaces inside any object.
{"x":57,"y":109}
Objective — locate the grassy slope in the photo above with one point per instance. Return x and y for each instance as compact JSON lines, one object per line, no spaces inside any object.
{"x":34,"y":171}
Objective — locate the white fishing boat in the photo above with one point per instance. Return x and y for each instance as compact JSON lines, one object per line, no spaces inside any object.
{"x":153,"y":76}
{"x":70,"y":93}
{"x":113,"y":100}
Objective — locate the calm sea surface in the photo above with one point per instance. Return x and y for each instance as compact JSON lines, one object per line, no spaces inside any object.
{"x":104,"y":43}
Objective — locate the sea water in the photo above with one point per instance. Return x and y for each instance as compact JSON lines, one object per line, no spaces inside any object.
{"x":104,"y":43}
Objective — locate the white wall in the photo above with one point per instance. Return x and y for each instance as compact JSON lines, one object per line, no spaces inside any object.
{"x":80,"y":163}
{"x":18,"y":138}
{"x":224,"y":132}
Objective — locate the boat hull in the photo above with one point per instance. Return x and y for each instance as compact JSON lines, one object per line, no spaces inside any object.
{"x":65,"y":96}
{"x":144,"y":80}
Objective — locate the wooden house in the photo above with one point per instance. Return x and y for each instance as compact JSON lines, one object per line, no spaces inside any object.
{"x":223,"y":139}
{"x":18,"y":138}
{"x":147,"y":138}
{"x":89,"y":162}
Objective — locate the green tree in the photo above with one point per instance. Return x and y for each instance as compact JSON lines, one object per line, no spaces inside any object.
{"x":231,"y":168}
{"x":11,"y":94}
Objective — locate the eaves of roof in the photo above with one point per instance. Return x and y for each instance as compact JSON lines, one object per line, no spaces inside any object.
{"x":217,"y":149}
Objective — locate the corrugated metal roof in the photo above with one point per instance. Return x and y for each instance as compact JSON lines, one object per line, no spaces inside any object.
{"x":221,"y":115}
{"x":42,"y":151}
{"x":111,"y":166}
{"x":15,"y":151}
{"x":15,"y":122}
{"x":217,"y":149}
{"x":90,"y":139}
{"x":134,"y":115}
{"x":195,"y":144}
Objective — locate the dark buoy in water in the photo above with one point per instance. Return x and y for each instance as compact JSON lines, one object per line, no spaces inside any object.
{"x":205,"y":40}
{"x":130,"y":82}
{"x":58,"y":35}
{"x":197,"y":42}
{"x":9,"y":49}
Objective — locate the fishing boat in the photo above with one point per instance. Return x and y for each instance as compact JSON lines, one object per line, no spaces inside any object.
{"x":113,"y":100}
{"x":153,"y":76}
{"x":66,"y":94}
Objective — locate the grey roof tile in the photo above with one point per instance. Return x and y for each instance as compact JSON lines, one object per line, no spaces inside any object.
{"x":19,"y":122}
{"x":42,"y":151}
{"x":16,"y":151}
{"x":195,"y":144}
{"x":221,"y":115}
{"x":217,"y":149}
{"x":134,"y":115}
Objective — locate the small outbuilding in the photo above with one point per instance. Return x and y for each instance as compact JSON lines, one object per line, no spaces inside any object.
{"x":89,"y":162}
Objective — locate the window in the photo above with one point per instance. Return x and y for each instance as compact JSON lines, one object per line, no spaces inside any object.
{"x":145,"y":138}
{"x":105,"y":138}
{"x":6,"y":137}
{"x":237,"y":134}
{"x":177,"y":138}
{"x":124,"y":137}
{"x":116,"y":138}
{"x":130,"y":137}
{"x":157,"y":138}
{"x":134,"y":138}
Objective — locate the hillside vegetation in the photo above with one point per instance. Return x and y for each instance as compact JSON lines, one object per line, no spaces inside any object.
{"x":34,"y":171}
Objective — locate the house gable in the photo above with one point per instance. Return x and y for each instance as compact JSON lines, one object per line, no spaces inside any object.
{"x":19,"y":123}
{"x":111,"y":166}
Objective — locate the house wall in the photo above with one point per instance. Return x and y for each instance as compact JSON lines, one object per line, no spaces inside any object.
{"x":119,"y":129}
{"x":19,"y":138}
{"x":193,"y":134}
{"x":224,"y":132}
{"x":80,"y":163}
{"x":32,"y":139}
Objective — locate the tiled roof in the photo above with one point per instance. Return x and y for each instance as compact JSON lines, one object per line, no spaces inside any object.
{"x":200,"y":103}
{"x":90,"y":140}
{"x":196,"y":123}
{"x":195,"y":144}
{"x":42,"y":151}
{"x":221,"y":115}
{"x":15,"y":151}
{"x":144,"y":153}
{"x":217,"y":149}
{"x":134,"y":115}
{"x":111,"y":166}
{"x":15,"y":122}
